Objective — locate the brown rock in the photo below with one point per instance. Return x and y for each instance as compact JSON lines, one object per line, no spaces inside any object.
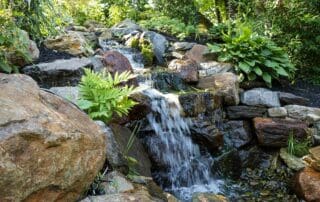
{"x":49,"y":149}
{"x":187,"y":69}
{"x":225,"y":85}
{"x":198,"y":53}
{"x":72,"y":42}
{"x":116,"y":62}
{"x":275,"y":132}
{"x":307,"y":184}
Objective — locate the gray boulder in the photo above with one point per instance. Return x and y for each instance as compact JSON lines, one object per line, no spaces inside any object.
{"x":260,"y":97}
{"x":159,"y":44}
{"x":309,"y":114}
{"x":68,"y":92}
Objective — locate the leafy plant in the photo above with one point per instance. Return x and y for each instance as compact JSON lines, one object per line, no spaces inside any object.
{"x":298,"y":148}
{"x":103,"y":95}
{"x":254,"y":56}
{"x":13,"y":41}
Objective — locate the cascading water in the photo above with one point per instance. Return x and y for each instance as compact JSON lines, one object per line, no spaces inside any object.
{"x":183,"y":170}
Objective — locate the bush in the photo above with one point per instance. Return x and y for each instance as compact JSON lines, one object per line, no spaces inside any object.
{"x":101,"y":95}
{"x":254,"y":56}
{"x":12,"y":41}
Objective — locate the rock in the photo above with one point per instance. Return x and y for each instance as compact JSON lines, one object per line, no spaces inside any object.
{"x":315,"y":153}
{"x":208,"y":197}
{"x":124,"y":28}
{"x":245,"y":112}
{"x":291,"y":161}
{"x":78,"y":28}
{"x":194,"y":104}
{"x":159,"y":45}
{"x":275,"y":132}
{"x":115,"y":183}
{"x":59,"y":72}
{"x":237,"y":133}
{"x":291,"y":99}
{"x":142,"y":109}
{"x":260,"y":97}
{"x":187,"y":70}
{"x":212,"y":68}
{"x":198,"y":53}
{"x":71,"y":42}
{"x":69,"y":93}
{"x":182,"y":46}
{"x":167,"y":81}
{"x":255,"y":157}
{"x":16,"y":59}
{"x":307,"y":184}
{"x":225,"y":85}
{"x":137,"y":151}
{"x":206,"y":135}
{"x":316,"y":133}
{"x":303,"y":113}
{"x":106,"y":35}
{"x":277,"y":112}
{"x":49,"y":149}
{"x":115,"y":156}
{"x":116,"y":62}
{"x":175,"y":55}
{"x":137,"y":195}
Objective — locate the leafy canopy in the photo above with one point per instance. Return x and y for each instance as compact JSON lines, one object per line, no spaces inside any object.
{"x":103,"y":95}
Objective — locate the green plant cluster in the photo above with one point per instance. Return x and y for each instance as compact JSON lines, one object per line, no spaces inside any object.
{"x":146,"y":49}
{"x":254,"y":56}
{"x":12,"y":41}
{"x":103,"y":95}
{"x":297,"y":147}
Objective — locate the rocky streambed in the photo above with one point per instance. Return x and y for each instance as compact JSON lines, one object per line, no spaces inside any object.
{"x":202,"y":136}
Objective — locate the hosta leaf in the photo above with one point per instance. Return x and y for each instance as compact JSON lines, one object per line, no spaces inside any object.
{"x":251,"y":62}
{"x":271,"y":64}
{"x":267,"y":77}
{"x":214,"y":48}
{"x":252,"y":76}
{"x":244,"y":67}
{"x":258,"y":71}
{"x":282,"y":72}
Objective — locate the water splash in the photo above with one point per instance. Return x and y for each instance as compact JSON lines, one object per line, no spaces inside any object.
{"x":182,"y":169}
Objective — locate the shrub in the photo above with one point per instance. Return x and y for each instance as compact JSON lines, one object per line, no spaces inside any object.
{"x":254,"y":56}
{"x":102,"y":95}
{"x":12,"y":41}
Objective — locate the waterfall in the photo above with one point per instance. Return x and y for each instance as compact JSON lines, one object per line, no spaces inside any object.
{"x":183,"y":170}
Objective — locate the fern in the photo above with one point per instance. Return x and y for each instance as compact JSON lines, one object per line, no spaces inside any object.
{"x":102,"y":96}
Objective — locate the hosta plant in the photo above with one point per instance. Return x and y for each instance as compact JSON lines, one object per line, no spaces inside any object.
{"x":254,"y":56}
{"x":103,"y":95}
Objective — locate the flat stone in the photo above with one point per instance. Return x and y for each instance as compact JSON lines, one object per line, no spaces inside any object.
{"x":309,"y":114}
{"x":212,"y":68}
{"x":182,"y":46}
{"x":307,"y":184}
{"x":277,"y":112}
{"x":291,"y":99}
{"x":225,"y":85}
{"x":59,"y":72}
{"x":275,"y":132}
{"x":245,"y":112}
{"x":260,"y":97}
{"x":291,"y":161}
{"x":208,"y":197}
{"x":70,"y":93}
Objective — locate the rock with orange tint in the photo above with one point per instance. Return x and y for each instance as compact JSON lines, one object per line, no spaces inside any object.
{"x":186,"y":69}
{"x":49,"y":149}
{"x":116,"y":62}
{"x":307,"y":184}
{"x":275,"y":132}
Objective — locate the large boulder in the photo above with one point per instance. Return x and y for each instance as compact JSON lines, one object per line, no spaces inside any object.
{"x":186,"y":69}
{"x":59,"y":72}
{"x":159,"y":45}
{"x":245,"y":112}
{"x":198,"y":53}
{"x":260,"y":97}
{"x":123,"y":28}
{"x":275,"y":132}
{"x":50,"y":150}
{"x":33,"y":51}
{"x":225,"y":85}
{"x":307,"y":184}
{"x":309,"y":114}
{"x":116,"y":62}
{"x":72,"y":42}
{"x":168,"y":81}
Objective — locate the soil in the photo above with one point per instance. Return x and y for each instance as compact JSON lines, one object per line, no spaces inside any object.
{"x":48,"y":55}
{"x":301,"y":88}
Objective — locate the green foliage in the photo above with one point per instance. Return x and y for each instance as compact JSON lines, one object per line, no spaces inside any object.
{"x":254,"y":56}
{"x":146,"y":49}
{"x":12,"y":42}
{"x":171,"y":26}
{"x":101,"y":94}
{"x":96,"y":188}
{"x":298,"y":148}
